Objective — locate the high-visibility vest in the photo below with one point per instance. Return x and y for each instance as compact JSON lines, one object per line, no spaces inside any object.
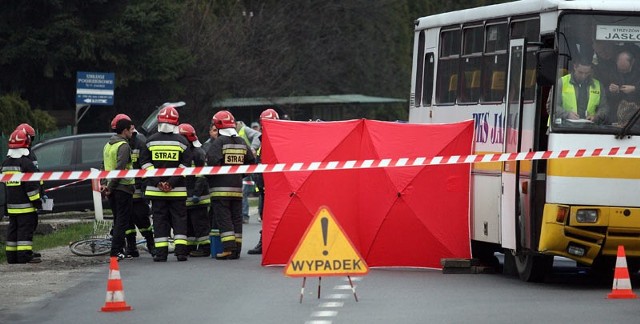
{"x":569,"y":97}
{"x":110,"y":155}
{"x":243,"y":134}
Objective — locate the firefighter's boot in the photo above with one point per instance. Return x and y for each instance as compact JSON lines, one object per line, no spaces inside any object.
{"x":182,"y":251}
{"x":161,"y":254}
{"x":12,"y":257}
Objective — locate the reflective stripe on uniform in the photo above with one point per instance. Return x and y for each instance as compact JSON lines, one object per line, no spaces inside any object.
{"x":148,"y":229}
{"x":34,"y":195}
{"x":203,"y":240}
{"x":180,"y":239}
{"x":11,"y":246}
{"x":137,"y":193}
{"x":135,"y":154}
{"x":242,"y":151}
{"x":25,"y":245}
{"x":227,"y":236}
{"x":167,"y":144}
{"x":161,"y":242}
{"x":204,"y":200}
{"x":20,"y":208}
{"x":152,"y":191}
{"x":225,"y":191}
{"x":226,"y":194}
{"x":191,"y":240}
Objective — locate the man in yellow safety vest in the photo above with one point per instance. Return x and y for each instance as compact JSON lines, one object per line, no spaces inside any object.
{"x":579,"y":96}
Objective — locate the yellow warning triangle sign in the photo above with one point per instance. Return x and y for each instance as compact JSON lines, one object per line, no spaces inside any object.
{"x":325,"y":250}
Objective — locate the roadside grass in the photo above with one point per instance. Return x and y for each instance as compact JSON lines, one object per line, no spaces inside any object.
{"x":59,"y":237}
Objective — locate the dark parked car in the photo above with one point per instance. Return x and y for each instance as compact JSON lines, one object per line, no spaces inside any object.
{"x":77,"y":153}
{"x":71,"y":153}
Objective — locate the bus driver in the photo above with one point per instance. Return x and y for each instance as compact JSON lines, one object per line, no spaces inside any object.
{"x":580,"y":96}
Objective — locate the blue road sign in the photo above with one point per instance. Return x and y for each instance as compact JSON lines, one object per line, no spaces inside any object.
{"x":95,"y":88}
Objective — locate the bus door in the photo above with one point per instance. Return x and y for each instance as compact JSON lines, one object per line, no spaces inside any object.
{"x":512,"y":124}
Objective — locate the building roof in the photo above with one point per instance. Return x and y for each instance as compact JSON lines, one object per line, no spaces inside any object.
{"x":302,"y":100}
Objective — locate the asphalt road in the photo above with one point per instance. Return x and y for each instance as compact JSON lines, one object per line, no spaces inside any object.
{"x":204,"y":290}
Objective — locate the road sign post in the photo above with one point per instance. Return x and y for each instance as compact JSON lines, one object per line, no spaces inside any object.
{"x":93,"y":88}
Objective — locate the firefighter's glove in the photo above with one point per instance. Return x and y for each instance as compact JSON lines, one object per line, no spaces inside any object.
{"x":195,"y":199}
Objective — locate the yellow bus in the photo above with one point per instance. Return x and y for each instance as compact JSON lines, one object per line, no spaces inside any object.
{"x":500,"y":65}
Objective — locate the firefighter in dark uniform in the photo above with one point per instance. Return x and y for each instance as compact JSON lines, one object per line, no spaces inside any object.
{"x":140,"y":217}
{"x":168,"y":194}
{"x":259,"y":179}
{"x":226,"y":190}
{"x":23,"y":200}
{"x":32,"y":136}
{"x":214,"y":234}
{"x":117,"y":156}
{"x":198,"y":223}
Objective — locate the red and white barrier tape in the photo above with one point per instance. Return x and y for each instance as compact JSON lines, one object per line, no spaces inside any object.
{"x":630,"y":151}
{"x":64,"y":185}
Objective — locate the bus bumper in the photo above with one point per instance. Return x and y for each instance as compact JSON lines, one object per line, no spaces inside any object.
{"x":563,"y":235}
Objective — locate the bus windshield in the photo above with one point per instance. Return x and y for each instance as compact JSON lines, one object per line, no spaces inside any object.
{"x":598,"y":89}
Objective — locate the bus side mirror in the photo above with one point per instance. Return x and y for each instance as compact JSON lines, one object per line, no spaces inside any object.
{"x":547,"y":63}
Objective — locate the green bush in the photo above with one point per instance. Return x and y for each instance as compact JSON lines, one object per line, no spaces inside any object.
{"x":14,"y":111}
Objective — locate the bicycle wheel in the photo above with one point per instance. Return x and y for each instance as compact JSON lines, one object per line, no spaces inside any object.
{"x":91,"y":247}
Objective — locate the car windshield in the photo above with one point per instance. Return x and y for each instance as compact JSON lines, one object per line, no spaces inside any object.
{"x":151,"y":122}
{"x":598,"y":89}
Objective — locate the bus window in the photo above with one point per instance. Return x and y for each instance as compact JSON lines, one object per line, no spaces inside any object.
{"x":447,"y":83}
{"x":473,"y":41}
{"x":494,"y":62}
{"x":427,"y":91}
{"x":530,"y":30}
{"x":419,"y":70}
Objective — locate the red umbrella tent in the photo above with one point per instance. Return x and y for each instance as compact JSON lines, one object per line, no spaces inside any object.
{"x":395,"y":216}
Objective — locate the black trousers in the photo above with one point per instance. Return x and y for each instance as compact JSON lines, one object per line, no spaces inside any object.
{"x":20,"y":237}
{"x":122,"y":207}
{"x":198,"y":222}
{"x":141,"y":218}
{"x":228,"y":214}
{"x":168,"y":214}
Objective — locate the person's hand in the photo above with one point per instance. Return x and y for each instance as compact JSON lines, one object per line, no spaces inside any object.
{"x":614,"y":88}
{"x":164,"y":186}
{"x":591,"y":117}
{"x":627,"y":89}
{"x":572,"y":115}
{"x":195,"y":199}
{"x":105,"y":191}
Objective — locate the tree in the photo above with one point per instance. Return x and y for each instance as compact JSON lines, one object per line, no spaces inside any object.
{"x":15,"y":111}
{"x":44,"y":43}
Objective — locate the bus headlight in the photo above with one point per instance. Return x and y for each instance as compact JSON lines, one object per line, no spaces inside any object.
{"x":587,"y":215}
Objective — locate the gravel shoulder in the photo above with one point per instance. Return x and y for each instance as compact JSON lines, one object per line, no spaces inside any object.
{"x":24,"y":284}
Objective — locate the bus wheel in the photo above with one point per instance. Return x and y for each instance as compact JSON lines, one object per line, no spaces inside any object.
{"x":509,"y":264}
{"x":533,"y":268}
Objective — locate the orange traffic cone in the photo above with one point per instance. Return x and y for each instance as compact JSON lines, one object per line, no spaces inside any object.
{"x":115,"y":295}
{"x":621,"y":282}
